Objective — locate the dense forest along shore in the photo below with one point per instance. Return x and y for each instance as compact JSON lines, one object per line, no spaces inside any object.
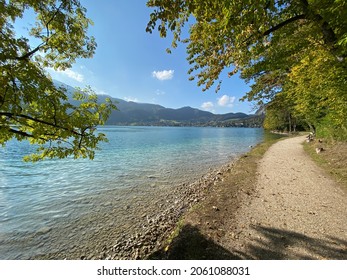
{"x":292,"y":209}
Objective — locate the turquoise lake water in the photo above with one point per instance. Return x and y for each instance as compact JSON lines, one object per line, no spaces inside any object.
{"x":138,"y":162}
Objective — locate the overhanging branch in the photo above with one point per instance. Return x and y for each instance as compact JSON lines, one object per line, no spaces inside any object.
{"x":21,"y":133}
{"x":284,"y":23}
{"x":329,"y":35}
{"x":276,"y":27}
{"x":11,"y":115}
{"x":29,"y":54}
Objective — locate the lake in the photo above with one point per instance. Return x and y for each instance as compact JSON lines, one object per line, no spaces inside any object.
{"x":57,"y":205}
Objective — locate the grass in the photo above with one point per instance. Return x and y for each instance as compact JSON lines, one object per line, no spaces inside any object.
{"x":333,"y":159}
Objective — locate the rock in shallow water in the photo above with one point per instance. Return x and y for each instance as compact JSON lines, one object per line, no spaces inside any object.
{"x":44,"y":230}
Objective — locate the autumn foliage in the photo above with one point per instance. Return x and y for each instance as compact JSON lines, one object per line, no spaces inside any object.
{"x":292,"y":52}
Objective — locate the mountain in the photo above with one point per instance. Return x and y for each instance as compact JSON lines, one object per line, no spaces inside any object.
{"x":133,"y":113}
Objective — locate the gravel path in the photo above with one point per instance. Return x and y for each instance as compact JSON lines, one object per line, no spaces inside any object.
{"x":296,"y":212}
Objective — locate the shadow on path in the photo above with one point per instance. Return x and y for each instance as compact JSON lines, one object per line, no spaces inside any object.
{"x":279,"y":244}
{"x":190,"y":244}
{"x":268,"y":243}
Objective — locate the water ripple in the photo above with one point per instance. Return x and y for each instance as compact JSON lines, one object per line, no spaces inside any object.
{"x":137,"y":162}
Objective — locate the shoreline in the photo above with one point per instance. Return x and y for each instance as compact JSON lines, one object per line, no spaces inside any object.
{"x":235,"y":184}
{"x":160,"y":230}
{"x":154,"y":235}
{"x":158,"y":227}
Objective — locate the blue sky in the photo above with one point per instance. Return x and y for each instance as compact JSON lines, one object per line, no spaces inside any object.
{"x":133,"y":65}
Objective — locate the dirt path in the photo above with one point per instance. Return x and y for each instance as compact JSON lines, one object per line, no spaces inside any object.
{"x":295,"y":212}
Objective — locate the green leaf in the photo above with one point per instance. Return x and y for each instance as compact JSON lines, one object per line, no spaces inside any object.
{"x":31,"y":107}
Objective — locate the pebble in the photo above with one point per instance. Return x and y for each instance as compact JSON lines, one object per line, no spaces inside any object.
{"x":44,"y":230}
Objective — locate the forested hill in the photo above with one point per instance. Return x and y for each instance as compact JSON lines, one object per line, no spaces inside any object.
{"x":133,"y":113}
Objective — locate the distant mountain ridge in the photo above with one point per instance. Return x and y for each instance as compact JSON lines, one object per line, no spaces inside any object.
{"x":133,"y":113}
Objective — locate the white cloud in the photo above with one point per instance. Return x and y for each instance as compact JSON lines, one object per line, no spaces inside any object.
{"x":163,"y":75}
{"x":100,"y":91}
{"x":131,"y":99}
{"x":74,"y":75}
{"x":226,"y":101}
{"x":207,"y":106}
{"x":68,"y":73}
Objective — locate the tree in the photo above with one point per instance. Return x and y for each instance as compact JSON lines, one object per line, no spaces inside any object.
{"x":281,"y":115}
{"x":318,"y":86}
{"x":266,"y":41}
{"x":31,"y":106}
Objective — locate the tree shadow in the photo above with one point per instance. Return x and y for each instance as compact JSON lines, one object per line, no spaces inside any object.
{"x":278,"y":244}
{"x":267,"y":244}
{"x":190,"y":244}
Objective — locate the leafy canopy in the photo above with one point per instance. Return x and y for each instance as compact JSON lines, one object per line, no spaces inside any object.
{"x":297,"y":47}
{"x":31,"y":106}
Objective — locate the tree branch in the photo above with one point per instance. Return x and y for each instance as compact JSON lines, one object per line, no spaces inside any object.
{"x":305,"y":3}
{"x":329,"y":35}
{"x":278,"y":26}
{"x":28,"y":54}
{"x":11,"y":115}
{"x":21,"y":133}
{"x":284,"y":23}
{"x":25,"y":134}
